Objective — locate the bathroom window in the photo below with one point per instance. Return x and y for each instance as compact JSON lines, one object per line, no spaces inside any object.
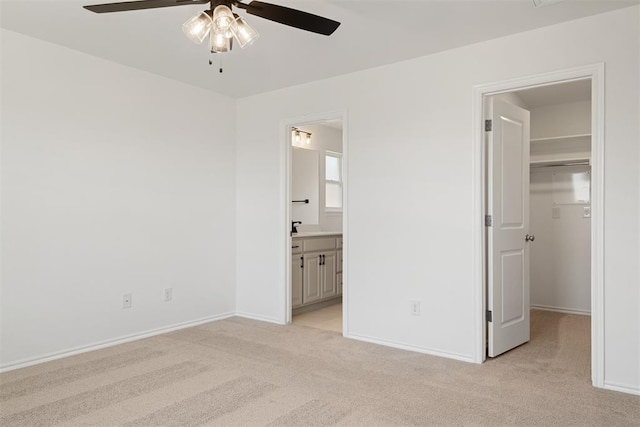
{"x":333,"y":182}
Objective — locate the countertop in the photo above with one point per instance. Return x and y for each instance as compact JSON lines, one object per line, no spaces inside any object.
{"x":316,"y":234}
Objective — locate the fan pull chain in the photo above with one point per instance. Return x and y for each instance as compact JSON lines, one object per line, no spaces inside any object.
{"x":219,"y":63}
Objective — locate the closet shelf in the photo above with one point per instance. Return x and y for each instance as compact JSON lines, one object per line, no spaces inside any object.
{"x":560,"y":161}
{"x":560,"y":138}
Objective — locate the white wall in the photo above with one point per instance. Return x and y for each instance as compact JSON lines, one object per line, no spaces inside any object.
{"x":571,"y":118}
{"x":409,"y":182}
{"x":113,"y":180}
{"x":561,"y":254}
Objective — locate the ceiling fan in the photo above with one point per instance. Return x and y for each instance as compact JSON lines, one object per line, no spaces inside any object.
{"x":223,"y":25}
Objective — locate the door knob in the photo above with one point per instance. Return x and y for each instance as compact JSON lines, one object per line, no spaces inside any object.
{"x":529,"y":238}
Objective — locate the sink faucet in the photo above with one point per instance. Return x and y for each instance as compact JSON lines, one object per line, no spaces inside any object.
{"x":293,"y":226}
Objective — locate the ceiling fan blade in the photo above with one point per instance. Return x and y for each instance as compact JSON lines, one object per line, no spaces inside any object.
{"x":138,"y":5}
{"x":292,"y":17}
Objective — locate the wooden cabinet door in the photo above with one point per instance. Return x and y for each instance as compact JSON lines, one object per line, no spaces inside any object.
{"x":296,"y":280}
{"x":339,"y":283}
{"x":311,"y":286}
{"x":329,"y":288}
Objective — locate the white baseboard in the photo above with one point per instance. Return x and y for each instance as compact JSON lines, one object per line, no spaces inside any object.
{"x":561,"y":309}
{"x":260,"y":318}
{"x":401,"y":346}
{"x":623,"y":388}
{"x":111,"y":342}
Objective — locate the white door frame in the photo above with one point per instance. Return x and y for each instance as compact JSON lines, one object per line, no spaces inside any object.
{"x":285,"y":126}
{"x":595,"y":72}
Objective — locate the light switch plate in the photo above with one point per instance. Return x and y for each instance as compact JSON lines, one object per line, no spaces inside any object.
{"x":414,"y":308}
{"x":126,"y":301}
{"x":555,"y":212}
{"x":586,"y":212}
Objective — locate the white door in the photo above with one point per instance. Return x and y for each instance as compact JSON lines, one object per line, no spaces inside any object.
{"x":329,"y":288}
{"x":296,"y":280}
{"x":508,"y":205}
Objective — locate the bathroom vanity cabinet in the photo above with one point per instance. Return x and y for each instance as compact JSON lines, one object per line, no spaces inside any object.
{"x":316,"y":268}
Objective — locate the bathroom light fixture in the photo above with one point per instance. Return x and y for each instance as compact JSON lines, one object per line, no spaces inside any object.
{"x":297,"y":137}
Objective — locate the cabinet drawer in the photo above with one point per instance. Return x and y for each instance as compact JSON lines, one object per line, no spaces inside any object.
{"x":296,"y":246}
{"x":313,"y":245}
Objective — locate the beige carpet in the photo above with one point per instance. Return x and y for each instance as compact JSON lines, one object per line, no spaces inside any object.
{"x":240,"y":372}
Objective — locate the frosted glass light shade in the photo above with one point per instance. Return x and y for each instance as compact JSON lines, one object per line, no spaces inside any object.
{"x":219,"y":42}
{"x":223,"y":21}
{"x":197,"y":28}
{"x":245,"y":34}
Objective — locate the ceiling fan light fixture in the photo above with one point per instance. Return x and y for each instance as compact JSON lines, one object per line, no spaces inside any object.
{"x":244,"y":33}
{"x":223,"y":26}
{"x":223,"y":21}
{"x":219,"y":42}
{"x":197,"y":28}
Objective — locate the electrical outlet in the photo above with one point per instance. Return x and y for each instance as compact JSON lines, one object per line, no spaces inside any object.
{"x":414,"y":308}
{"x":126,"y":301}
{"x":586,"y":212}
{"x":167,"y":294}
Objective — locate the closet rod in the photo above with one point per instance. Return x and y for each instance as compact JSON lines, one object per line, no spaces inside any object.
{"x":556,"y":165}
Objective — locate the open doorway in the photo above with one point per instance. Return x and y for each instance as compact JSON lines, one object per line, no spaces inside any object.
{"x":316,"y":210}
{"x":557,"y":260}
{"x":557,"y":227}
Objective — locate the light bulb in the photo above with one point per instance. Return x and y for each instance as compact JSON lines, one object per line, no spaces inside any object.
{"x":196,"y":28}
{"x":245,"y":34}
{"x":220,"y":43}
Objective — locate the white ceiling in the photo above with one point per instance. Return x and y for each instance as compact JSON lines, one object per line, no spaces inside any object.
{"x":579,"y":90}
{"x":333,"y":124}
{"x":372,"y":33}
